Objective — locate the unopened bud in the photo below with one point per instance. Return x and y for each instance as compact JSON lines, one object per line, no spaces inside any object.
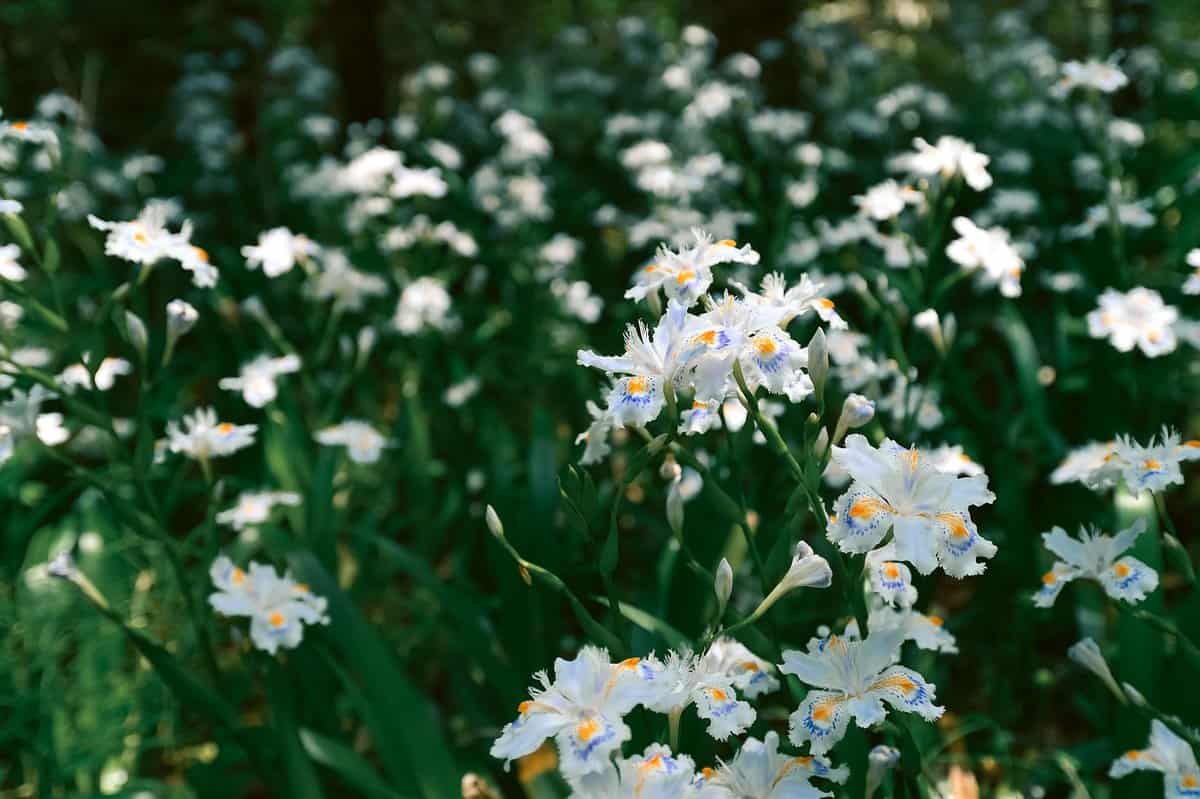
{"x":493,"y":522}
{"x":723,"y":586}
{"x":476,"y":787}
{"x":930,"y":324}
{"x":675,"y":509}
{"x":821,"y":444}
{"x":1087,"y":654}
{"x":670,"y":469}
{"x":181,"y":318}
{"x":818,"y":361}
{"x":880,"y":761}
{"x":808,"y":570}
{"x":135,"y":331}
{"x":857,"y":411}
{"x":656,"y":444}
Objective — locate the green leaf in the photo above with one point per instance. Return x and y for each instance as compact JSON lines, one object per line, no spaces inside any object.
{"x":347,"y":763}
{"x":650,"y":623}
{"x":50,"y":259}
{"x":403,"y":723}
{"x":303,"y":781}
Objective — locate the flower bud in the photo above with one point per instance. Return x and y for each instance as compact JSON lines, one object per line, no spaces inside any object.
{"x":1087,"y":654}
{"x":821,"y":443}
{"x":135,"y":331}
{"x":675,"y":508}
{"x":62,"y":566}
{"x":880,"y":761}
{"x":670,"y":469}
{"x":818,"y":361}
{"x":930,"y":324}
{"x":1135,"y":696}
{"x":181,"y":318}
{"x":808,"y":570}
{"x":723,"y":586}
{"x":493,"y":522}
{"x":857,"y":411}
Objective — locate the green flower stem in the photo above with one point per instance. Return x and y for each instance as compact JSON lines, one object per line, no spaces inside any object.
{"x":594,"y":628}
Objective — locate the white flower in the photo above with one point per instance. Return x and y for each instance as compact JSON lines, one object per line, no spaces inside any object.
{"x":927,"y":511}
{"x":686,"y":274}
{"x":1096,"y":556}
{"x":254,"y":507}
{"x":181,"y":318}
{"x":277,"y":251}
{"x":853,"y":679}
{"x":791,"y":303}
{"x":595,"y":437}
{"x":927,"y":632}
{"x":202,"y":436}
{"x":195,"y":260}
{"x":1151,"y":467}
{"x":363,"y":443}
{"x":256,"y":379}
{"x":989,"y":250}
{"x":761,"y":771}
{"x":278,"y":607}
{"x":655,"y":774}
{"x":1087,"y":654}
{"x":951,"y":156}
{"x":21,"y":418}
{"x":346,"y":286}
{"x":408,"y":182}
{"x":650,"y":361}
{"x":1101,"y":76}
{"x":701,"y":417}
{"x":807,"y":570}
{"x":144,"y":240}
{"x":1082,"y":464}
{"x":458,"y":394}
{"x":880,"y":761}
{"x":887,"y":200}
{"x":10,"y":206}
{"x":1192,"y":284}
{"x":10,"y":269}
{"x":950,"y":459}
{"x":424,"y":303}
{"x":50,"y":429}
{"x":751,"y":675}
{"x":889,"y":579}
{"x":1138,"y":318}
{"x":79,"y":375}
{"x":1167,"y":753}
{"x":684,"y":679}
{"x":582,"y":709}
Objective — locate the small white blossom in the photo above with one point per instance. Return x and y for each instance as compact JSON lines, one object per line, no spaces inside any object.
{"x":278,"y":251}
{"x":201,"y":436}
{"x":278,"y":607}
{"x":1096,"y":556}
{"x":256,"y":379}
{"x":254,"y":508}
{"x":1137,"y":318}
{"x":363,"y":443}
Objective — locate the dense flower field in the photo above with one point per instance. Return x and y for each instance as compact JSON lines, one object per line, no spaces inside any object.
{"x":595,"y":426}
